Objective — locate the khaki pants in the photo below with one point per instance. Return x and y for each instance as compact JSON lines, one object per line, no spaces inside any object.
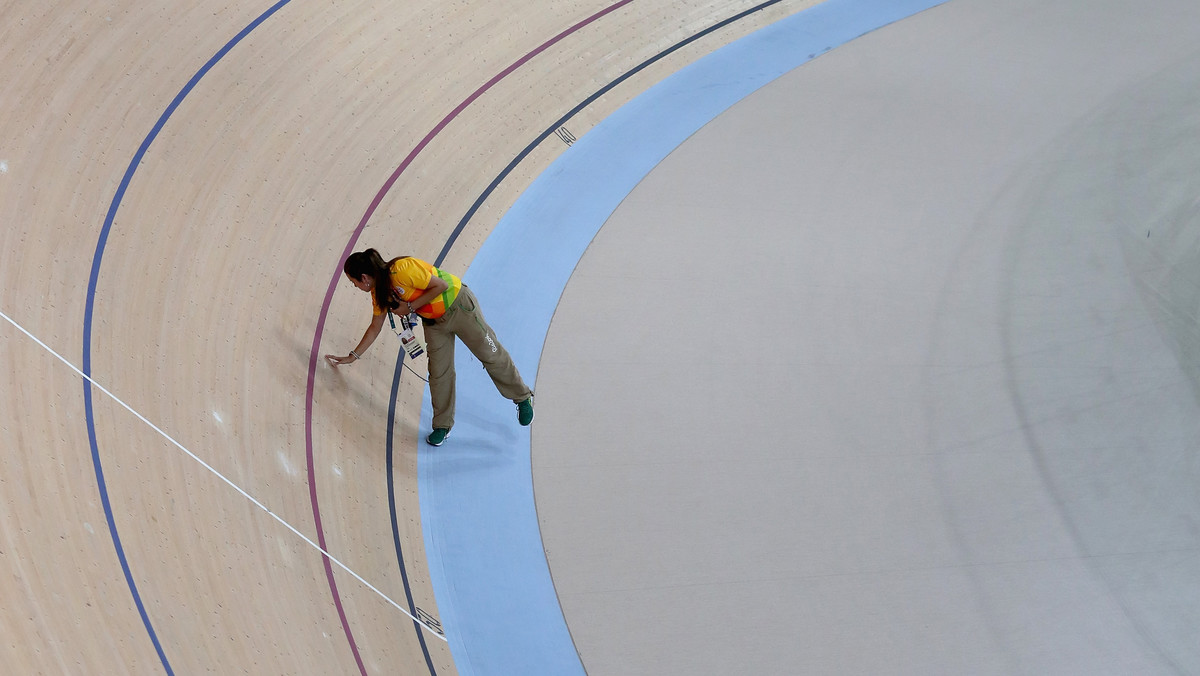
{"x":465,"y":320}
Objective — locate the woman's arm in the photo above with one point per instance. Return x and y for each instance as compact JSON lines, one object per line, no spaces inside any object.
{"x":367,"y":339}
{"x":437,"y":286}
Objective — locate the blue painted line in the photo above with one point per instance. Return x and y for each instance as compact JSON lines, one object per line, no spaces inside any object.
{"x":389,"y":463}
{"x":90,"y":309}
{"x":487,"y":566}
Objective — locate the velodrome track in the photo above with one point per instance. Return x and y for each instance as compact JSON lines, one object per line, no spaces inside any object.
{"x":180,"y":180}
{"x":985,"y":469}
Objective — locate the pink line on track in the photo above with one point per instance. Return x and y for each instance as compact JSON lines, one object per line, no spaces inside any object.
{"x":316,"y":344}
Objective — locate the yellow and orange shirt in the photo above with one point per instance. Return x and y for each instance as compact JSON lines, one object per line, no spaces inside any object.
{"x":410,"y":278}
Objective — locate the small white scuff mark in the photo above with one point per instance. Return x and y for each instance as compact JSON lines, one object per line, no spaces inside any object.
{"x":3,"y":166}
{"x":285,"y":552}
{"x":218,"y":417}
{"x":88,"y":527}
{"x":287,"y":464}
{"x":337,"y":470}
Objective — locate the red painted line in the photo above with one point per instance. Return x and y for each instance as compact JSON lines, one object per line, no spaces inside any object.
{"x":314,"y":354}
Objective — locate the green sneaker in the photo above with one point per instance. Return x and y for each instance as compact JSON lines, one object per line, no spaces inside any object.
{"x":437,"y":436}
{"x":525,"y":411}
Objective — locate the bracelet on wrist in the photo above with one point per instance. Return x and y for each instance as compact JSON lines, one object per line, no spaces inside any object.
{"x":355,"y":355}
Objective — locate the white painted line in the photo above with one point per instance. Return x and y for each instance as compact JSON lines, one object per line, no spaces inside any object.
{"x":220,"y":476}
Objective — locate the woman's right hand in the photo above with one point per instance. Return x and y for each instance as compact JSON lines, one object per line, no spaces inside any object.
{"x":335,"y":361}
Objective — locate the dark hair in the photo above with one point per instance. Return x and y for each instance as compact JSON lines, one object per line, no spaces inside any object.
{"x":370,"y":263}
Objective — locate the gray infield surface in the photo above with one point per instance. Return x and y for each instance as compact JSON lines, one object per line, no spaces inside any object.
{"x":894,"y":367}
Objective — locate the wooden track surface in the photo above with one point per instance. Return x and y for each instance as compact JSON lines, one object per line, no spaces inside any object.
{"x":212,"y":258}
